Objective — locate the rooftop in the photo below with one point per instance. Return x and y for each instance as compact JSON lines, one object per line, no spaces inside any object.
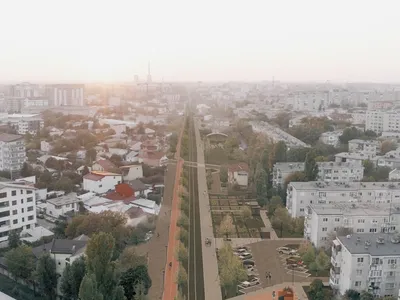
{"x":5,"y":137}
{"x":289,"y":166}
{"x":66,"y":199}
{"x":354,"y":155}
{"x":350,"y":186}
{"x":359,"y":141}
{"x":374,"y":244}
{"x":238,"y":167}
{"x":355,"y":209}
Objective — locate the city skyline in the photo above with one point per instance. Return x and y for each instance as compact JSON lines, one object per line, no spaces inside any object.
{"x":297,"y":42}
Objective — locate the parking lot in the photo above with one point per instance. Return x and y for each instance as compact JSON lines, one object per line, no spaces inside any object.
{"x":267,"y":259}
{"x":253,"y":281}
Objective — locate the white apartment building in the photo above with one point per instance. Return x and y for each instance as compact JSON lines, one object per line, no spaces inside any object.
{"x":25,"y":90}
{"x":327,"y":171}
{"x":302,"y":194}
{"x":282,"y":170}
{"x":66,"y":94}
{"x":370,"y":148}
{"x":358,"y":118}
{"x":101,"y":182}
{"x":379,"y":121}
{"x":322,"y":220}
{"x":366,"y":262}
{"x":36,"y":102}
{"x":356,"y":158}
{"x":17,"y":207}
{"x":12,"y":152}
{"x":309,"y":101}
{"x":331,"y":137}
{"x":340,"y":171}
{"x":23,"y":123}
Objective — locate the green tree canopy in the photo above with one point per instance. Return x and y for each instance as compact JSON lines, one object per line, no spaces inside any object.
{"x":47,"y":277}
{"x":132,"y":278}
{"x":20,"y":262}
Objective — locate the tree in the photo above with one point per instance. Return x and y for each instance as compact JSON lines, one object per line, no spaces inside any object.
{"x":183,"y":236}
{"x":297,"y":176}
{"x":369,"y":167}
{"x":88,"y":289}
{"x":140,"y":292}
{"x":132,"y":277}
{"x":72,"y":278}
{"x":182,"y":254}
{"x":91,"y":155}
{"x":226,"y":226}
{"x":116,"y":159}
{"x":350,"y":134}
{"x":261,"y":181}
{"x":85,"y":171}
{"x":305,"y":246}
{"x":280,"y":150}
{"x":340,"y":231}
{"x":388,"y":146}
{"x":310,"y":166}
{"x":366,"y":296}
{"x":119,"y":293}
{"x":26,"y":170}
{"x":246,"y":212}
{"x":64,"y":184}
{"x":282,"y":220}
{"x":182,"y":278}
{"x":309,"y":256}
{"x":130,"y":259}
{"x":223,"y":174}
{"x":297,"y":154}
{"x":183,"y":221}
{"x":46,"y":276}
{"x":352,"y":295}
{"x":99,"y":252}
{"x":20,"y":262}
{"x":14,"y":239}
{"x":316,"y":291}
{"x":273,"y":204}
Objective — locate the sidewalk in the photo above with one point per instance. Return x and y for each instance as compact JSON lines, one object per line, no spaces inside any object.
{"x":267,"y":224}
{"x":212,"y":289}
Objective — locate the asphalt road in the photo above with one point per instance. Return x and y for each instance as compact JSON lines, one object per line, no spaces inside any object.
{"x":195,"y":259}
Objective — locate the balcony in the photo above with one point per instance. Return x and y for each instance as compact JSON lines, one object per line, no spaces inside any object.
{"x":334,"y":282}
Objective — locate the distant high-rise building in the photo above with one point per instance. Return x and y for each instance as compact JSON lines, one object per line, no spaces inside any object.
{"x":25,"y":90}
{"x":148,"y":73}
{"x":136,"y":79}
{"x":66,"y":94}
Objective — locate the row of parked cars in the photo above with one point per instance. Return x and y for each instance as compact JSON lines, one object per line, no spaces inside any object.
{"x":245,"y":255}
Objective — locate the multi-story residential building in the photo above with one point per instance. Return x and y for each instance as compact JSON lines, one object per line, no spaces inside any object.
{"x":327,"y":171}
{"x":309,"y":101}
{"x":331,"y":137}
{"x":370,"y":148}
{"x":380,"y":121}
{"x":322,"y":220}
{"x":60,"y":206}
{"x":66,"y":94}
{"x":12,"y":152}
{"x":23,"y":123}
{"x":394,"y":175}
{"x":348,"y":157}
{"x":25,"y":90}
{"x":302,"y":194}
{"x":17,"y":207}
{"x":358,"y":118}
{"x":340,"y":172}
{"x":13,"y":104}
{"x":282,"y":170}
{"x":36,"y":102}
{"x":366,"y":262}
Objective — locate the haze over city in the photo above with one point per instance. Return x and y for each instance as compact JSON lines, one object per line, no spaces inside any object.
{"x":83,"y":41}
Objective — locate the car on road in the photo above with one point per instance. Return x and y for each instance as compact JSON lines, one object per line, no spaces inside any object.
{"x":286,"y":250}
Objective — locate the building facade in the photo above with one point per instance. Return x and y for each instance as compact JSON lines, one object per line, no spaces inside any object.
{"x":369,"y":148}
{"x":340,"y":172}
{"x":66,"y":94}
{"x":331,"y":138}
{"x":12,"y":152}
{"x":302,"y":194}
{"x":17,"y":208}
{"x":366,"y":262}
{"x":101,"y":182}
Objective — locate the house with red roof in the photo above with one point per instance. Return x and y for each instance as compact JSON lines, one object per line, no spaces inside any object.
{"x":101,"y":182}
{"x":104,"y":165}
{"x":238,"y":174}
{"x":123,"y":192}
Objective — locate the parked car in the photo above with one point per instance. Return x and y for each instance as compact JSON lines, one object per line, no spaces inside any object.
{"x":242,"y":247}
{"x":286,"y":250}
{"x":251,"y":282}
{"x":246,"y":255}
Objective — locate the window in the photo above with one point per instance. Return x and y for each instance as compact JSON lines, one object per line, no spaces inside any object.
{"x":23,"y":219}
{"x":324,"y":229}
{"x":58,"y":206}
{"x":15,"y":221}
{"x":13,"y":193}
{"x":301,"y":209}
{"x":375,"y":261}
{"x":361,"y":220}
{"x":100,"y":185}
{"x":391,"y":261}
{"x":28,"y":226}
{"x":3,"y":195}
{"x":22,"y":191}
{"x":29,"y":192}
{"x":67,"y":205}
{"x":22,"y":210}
{"x":357,"y":283}
{"x":14,"y":202}
{"x":337,"y":219}
{"x":360,"y":229}
{"x":30,"y":208}
{"x":360,"y":259}
{"x":29,"y":199}
{"x":30,"y":218}
{"x":4,"y":214}
{"x":372,"y":230}
{"x":359,"y":272}
{"x":389,"y":285}
{"x":22,"y":201}
{"x":325,"y":219}
{"x":15,"y":211}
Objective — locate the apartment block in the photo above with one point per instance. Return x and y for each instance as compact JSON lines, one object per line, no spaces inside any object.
{"x":356,"y":158}
{"x":12,"y":152}
{"x":380,"y":121}
{"x":17,"y":207}
{"x":322,"y":220}
{"x":366,"y":262}
{"x":66,"y":94}
{"x":370,"y":148}
{"x":327,"y":171}
{"x":302,"y":194}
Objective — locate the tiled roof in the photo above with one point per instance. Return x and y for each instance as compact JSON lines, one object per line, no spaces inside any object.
{"x":5,"y":137}
{"x":93,"y":177}
{"x":106,"y":164}
{"x":238,"y":167}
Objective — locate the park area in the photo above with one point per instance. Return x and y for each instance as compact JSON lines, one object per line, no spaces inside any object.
{"x":234,"y":218}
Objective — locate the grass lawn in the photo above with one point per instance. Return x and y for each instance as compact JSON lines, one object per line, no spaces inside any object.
{"x":16,"y":290}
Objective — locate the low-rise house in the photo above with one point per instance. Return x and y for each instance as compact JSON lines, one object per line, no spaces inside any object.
{"x":132,"y":157}
{"x":101,"y":182}
{"x":153,"y":158}
{"x":394,"y":175}
{"x":138,"y":186}
{"x":116,"y":151}
{"x":45,"y":146}
{"x":131,"y":172}
{"x":60,"y":206}
{"x":104,"y":165}
{"x":238,"y":174}
{"x":123,"y":192}
{"x":148,"y":206}
{"x":136,"y":147}
{"x":384,"y":161}
{"x":331,"y":138}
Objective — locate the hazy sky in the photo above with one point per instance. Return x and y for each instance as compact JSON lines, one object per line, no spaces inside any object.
{"x":297,"y":40}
